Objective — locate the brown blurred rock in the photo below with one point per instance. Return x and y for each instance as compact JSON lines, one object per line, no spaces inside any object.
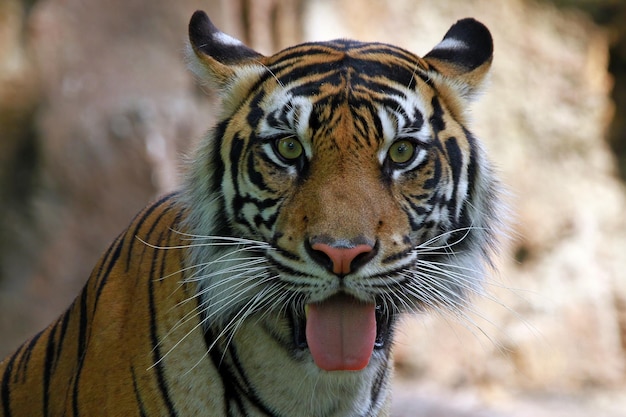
{"x":20,"y":95}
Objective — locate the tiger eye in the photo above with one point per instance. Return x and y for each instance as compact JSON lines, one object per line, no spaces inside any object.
{"x":401,"y":151}
{"x":289,"y":148}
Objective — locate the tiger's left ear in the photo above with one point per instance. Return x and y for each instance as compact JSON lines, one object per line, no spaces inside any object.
{"x":217,"y":58}
{"x":463,"y":57}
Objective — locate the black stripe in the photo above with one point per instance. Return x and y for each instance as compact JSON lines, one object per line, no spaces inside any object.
{"x":364,"y":51}
{"x":376,"y":48}
{"x":142,"y":410}
{"x":361,"y":125}
{"x":101,"y":275}
{"x":81,"y":353}
{"x":310,"y":86}
{"x":255,"y":112}
{"x":5,"y":394}
{"x":432,"y":182}
{"x":436,"y":119}
{"x":215,"y":162}
{"x":455,"y":160}
{"x":156,"y":222}
{"x":174,"y":225}
{"x":284,"y":269}
{"x":47,"y":367}
{"x":396,"y":256}
{"x":226,"y":376}
{"x":416,"y":211}
{"x":105,"y":261}
{"x":255,"y":176}
{"x":250,"y":392}
{"x":380,"y":379}
{"x":27,"y":350}
{"x":64,"y":325}
{"x":103,"y":278}
{"x":236,"y":150}
{"x":308,"y":49}
{"x":390,"y":70}
{"x":269,"y":223}
{"x":154,"y":338}
{"x":464,"y":219}
{"x":238,"y":203}
{"x":472,"y":165}
{"x":141,"y":219}
{"x":384,"y":91}
{"x":285,"y":343}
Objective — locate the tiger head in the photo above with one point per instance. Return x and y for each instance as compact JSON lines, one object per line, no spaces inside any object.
{"x":339,"y":188}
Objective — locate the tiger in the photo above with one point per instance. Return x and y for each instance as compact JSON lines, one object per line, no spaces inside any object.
{"x":339,"y":189}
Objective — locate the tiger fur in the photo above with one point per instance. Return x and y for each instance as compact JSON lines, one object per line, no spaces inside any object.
{"x":340,"y":188}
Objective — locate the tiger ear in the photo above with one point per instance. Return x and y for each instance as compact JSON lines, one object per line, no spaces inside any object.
{"x":216,"y":56}
{"x":463,"y":57}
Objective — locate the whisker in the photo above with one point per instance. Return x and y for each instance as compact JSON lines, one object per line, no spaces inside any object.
{"x":235,"y":322}
{"x":240,"y":283}
{"x":426,"y":244}
{"x":455,"y":304}
{"x":199,"y":310}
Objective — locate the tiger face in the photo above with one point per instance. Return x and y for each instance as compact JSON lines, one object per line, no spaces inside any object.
{"x":340,"y":188}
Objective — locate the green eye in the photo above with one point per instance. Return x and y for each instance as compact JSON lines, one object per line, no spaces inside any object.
{"x":401,"y":151}
{"x":289,"y":148}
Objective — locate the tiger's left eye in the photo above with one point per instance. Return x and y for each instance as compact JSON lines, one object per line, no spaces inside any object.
{"x":401,"y":151}
{"x":289,"y":148}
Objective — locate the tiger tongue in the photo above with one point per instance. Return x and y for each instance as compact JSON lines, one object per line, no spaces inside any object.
{"x":341,"y":332}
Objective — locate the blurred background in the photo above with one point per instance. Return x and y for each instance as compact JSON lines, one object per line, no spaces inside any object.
{"x":97,"y":111}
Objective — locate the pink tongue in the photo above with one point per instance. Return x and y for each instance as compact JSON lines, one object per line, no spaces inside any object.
{"x":341,"y":332}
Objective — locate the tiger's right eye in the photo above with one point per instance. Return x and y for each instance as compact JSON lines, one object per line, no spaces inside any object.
{"x":289,"y":148}
{"x":401,"y":151}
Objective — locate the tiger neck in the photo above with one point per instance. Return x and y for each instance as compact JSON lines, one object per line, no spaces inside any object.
{"x":263,"y":376}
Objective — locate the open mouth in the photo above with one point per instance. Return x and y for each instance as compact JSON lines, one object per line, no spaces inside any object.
{"x":342,"y":332}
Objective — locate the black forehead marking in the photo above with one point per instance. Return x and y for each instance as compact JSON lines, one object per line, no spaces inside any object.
{"x":368,"y":59}
{"x":360,"y":74}
{"x":255,"y":113}
{"x":315,"y":119}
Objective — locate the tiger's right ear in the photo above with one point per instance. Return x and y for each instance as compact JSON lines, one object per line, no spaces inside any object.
{"x":216,"y":56}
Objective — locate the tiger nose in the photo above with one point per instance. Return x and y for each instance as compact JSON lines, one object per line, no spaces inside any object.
{"x":342,"y":259}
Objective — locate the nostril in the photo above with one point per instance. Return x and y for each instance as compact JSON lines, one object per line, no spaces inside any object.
{"x":364,"y":257}
{"x":341,"y":259}
{"x":320,"y":257}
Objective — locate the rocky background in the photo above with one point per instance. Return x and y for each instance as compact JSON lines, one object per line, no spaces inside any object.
{"x":97,"y":111}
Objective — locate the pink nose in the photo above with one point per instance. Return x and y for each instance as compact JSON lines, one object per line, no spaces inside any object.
{"x":341,"y":258}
